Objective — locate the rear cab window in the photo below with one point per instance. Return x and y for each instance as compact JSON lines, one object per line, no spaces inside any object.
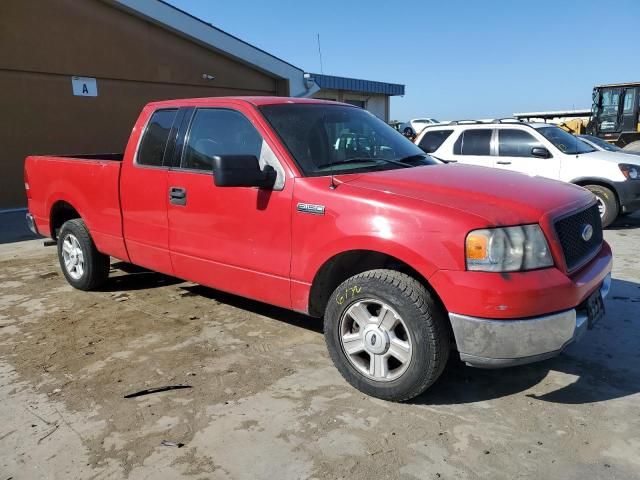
{"x":475,"y":141}
{"x":432,"y":140}
{"x":155,"y":138}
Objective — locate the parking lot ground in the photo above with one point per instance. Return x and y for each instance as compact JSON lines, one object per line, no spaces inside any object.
{"x":265,"y":401}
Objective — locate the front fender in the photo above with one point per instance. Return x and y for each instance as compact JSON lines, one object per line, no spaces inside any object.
{"x":417,"y":260}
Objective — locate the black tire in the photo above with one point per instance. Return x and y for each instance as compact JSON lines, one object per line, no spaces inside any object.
{"x":95,"y":269}
{"x":425,"y":325}
{"x":608,"y":203}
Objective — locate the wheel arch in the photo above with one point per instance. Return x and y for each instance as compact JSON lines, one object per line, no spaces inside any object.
{"x":60,"y":212}
{"x":348,"y":263}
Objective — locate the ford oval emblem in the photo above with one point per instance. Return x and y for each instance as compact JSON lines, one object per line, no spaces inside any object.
{"x":587,"y":232}
{"x":374,"y":339}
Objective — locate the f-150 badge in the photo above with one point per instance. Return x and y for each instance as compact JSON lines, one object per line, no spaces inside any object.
{"x":311,"y":208}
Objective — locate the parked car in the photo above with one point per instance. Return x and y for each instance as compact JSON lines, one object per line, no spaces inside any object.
{"x":600,"y":144}
{"x":415,"y":126}
{"x":543,"y":150}
{"x":288,"y":202}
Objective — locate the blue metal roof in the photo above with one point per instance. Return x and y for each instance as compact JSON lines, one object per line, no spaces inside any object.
{"x":356,"y":85}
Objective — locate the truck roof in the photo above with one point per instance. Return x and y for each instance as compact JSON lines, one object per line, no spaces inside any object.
{"x":254,"y":100}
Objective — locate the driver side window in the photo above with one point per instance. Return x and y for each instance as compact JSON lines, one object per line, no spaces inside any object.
{"x":216,"y":131}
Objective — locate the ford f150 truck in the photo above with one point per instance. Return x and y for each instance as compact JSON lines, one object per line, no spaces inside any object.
{"x":322,"y":208}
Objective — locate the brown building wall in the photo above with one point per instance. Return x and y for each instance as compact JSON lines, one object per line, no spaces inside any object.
{"x":45,"y":42}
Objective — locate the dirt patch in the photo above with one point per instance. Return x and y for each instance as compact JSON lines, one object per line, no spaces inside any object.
{"x":265,"y":401}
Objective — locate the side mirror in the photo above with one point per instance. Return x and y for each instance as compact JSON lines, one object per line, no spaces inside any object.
{"x":540,"y":152}
{"x":241,"y":171}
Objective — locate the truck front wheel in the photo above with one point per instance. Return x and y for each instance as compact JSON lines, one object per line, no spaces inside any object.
{"x":386,"y":335}
{"x":84,"y":267}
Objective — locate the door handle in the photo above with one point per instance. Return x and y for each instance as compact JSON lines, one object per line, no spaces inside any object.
{"x":502,"y":162}
{"x":177,"y":195}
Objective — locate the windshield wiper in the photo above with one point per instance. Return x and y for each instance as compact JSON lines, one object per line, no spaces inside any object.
{"x":443,"y":161}
{"x":411,"y":157}
{"x":365,"y":159}
{"x":395,"y":162}
{"x":420,"y":156}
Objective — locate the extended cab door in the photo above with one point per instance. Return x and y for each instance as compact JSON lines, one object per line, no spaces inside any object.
{"x":143,"y":187}
{"x":515,"y":152}
{"x":236,"y":239}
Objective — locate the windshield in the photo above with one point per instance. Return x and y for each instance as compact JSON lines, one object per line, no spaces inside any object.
{"x":325,"y":139}
{"x":564,"y":141}
{"x":601,"y":143}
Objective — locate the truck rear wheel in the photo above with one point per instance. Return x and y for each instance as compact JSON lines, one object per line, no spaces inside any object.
{"x":386,"y":335}
{"x":84,"y":267}
{"x":607,"y":203}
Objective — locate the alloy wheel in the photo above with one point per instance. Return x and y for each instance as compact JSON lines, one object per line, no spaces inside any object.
{"x":73,"y":257}
{"x":376,"y":340}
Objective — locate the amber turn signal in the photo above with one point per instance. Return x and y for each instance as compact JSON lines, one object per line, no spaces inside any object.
{"x":476,"y":247}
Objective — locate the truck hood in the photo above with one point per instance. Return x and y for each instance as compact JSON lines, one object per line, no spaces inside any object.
{"x":613,"y":157}
{"x":499,"y":197}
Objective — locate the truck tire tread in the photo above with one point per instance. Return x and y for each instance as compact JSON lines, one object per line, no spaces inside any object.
{"x":427,"y":322}
{"x":96,"y":264}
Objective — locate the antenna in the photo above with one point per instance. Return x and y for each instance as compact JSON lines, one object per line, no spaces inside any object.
{"x":320,"y":53}
{"x":332,"y":182}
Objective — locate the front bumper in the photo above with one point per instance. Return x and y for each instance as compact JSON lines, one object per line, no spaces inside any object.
{"x":490,"y":343}
{"x":628,"y":195}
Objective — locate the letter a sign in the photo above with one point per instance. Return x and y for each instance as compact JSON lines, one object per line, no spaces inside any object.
{"x":84,"y":86}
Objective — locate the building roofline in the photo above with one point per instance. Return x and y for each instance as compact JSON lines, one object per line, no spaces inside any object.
{"x":184,"y":24}
{"x":332,"y":82}
{"x":228,"y":34}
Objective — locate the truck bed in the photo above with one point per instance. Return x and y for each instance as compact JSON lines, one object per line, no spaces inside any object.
{"x":89,"y":183}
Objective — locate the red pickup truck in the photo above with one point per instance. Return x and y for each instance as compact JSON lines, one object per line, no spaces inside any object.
{"x":322,"y":208}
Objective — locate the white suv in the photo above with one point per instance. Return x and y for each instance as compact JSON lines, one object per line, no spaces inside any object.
{"x":544,"y":150}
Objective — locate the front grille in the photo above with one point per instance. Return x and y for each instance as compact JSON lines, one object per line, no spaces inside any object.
{"x":570,"y":229}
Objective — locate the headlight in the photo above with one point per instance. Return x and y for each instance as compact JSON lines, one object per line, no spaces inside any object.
{"x":629,"y":171}
{"x":507,"y":249}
